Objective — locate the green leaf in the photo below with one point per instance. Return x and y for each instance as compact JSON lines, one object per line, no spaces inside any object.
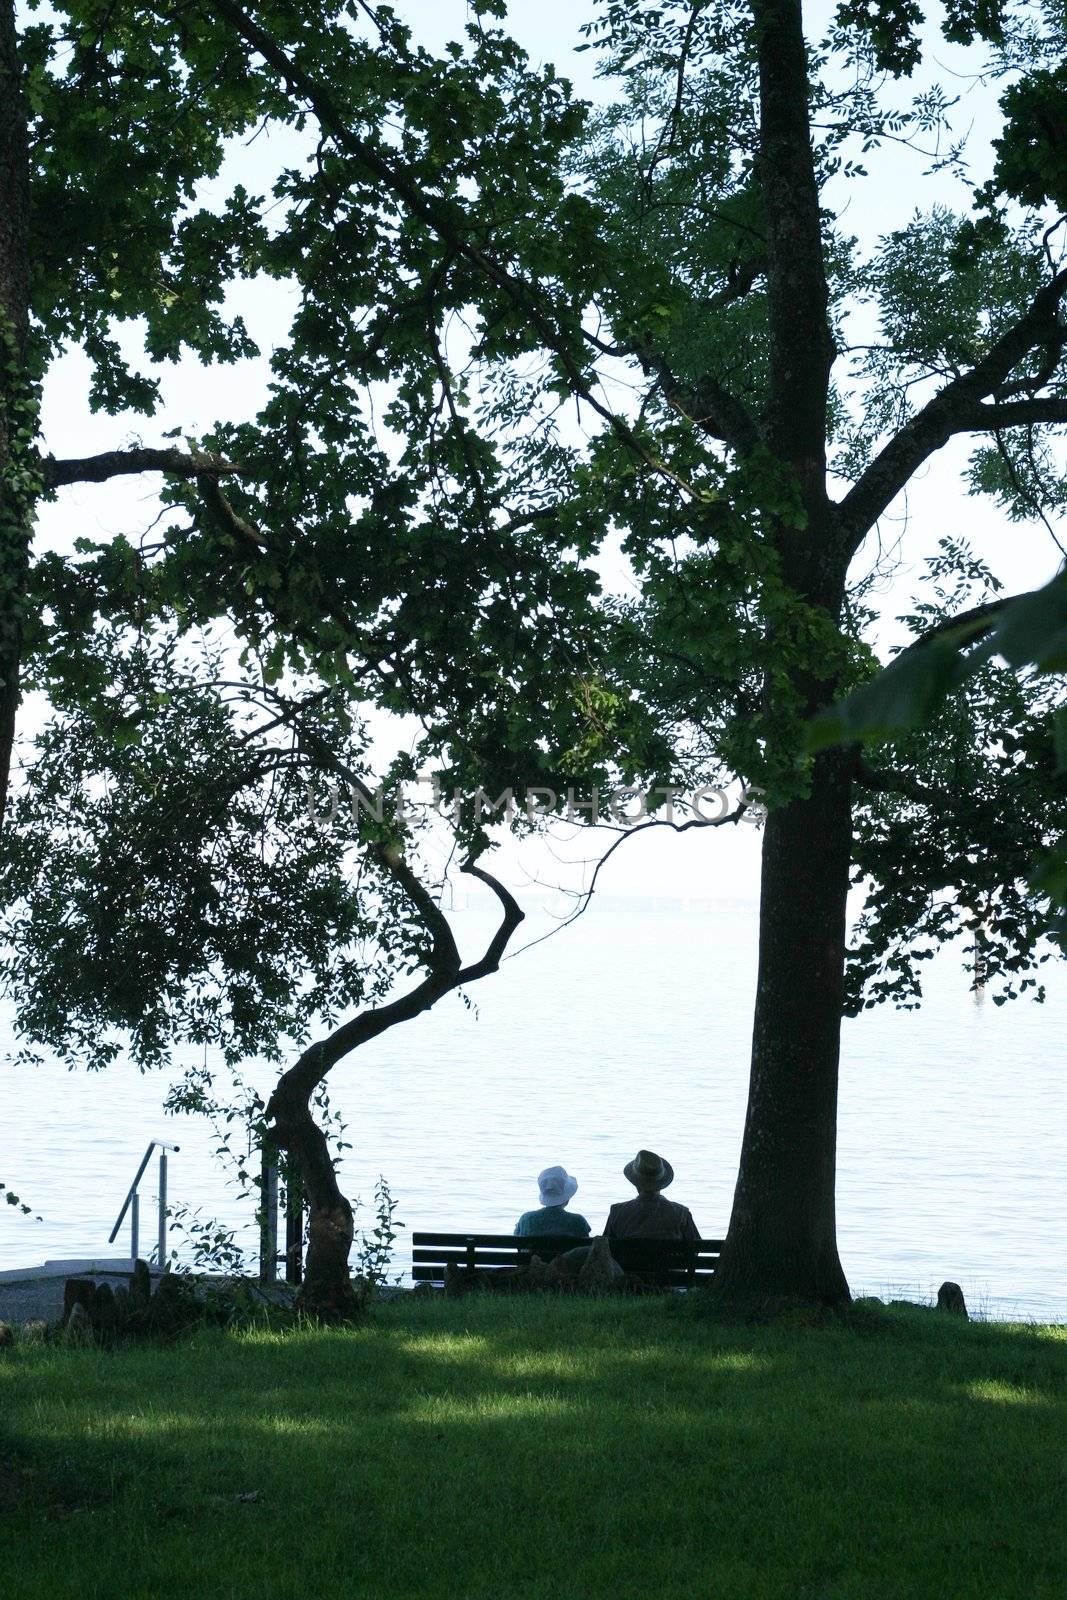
{"x":900,"y":697}
{"x":1033,"y":629}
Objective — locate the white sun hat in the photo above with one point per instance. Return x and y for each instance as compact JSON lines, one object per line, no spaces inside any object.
{"x":556,"y":1186}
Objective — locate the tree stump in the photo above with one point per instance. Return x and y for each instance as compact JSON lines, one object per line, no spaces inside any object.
{"x":950,"y":1299}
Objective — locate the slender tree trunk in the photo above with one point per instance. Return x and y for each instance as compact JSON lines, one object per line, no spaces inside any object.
{"x":16,"y":490}
{"x":327,"y":1288}
{"x":782,"y":1239}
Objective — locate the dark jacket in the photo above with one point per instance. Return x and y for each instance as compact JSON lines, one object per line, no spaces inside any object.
{"x":549,"y":1220}
{"x":654,"y":1218}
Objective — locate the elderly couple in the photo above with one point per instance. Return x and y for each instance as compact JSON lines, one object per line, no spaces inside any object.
{"x":650,"y":1216}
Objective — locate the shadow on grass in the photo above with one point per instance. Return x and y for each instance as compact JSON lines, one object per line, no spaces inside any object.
{"x":482,"y":1449}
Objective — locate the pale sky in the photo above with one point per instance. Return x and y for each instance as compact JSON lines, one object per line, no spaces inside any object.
{"x":711,"y":863}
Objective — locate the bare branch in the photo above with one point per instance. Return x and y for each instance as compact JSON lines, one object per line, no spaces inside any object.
{"x":123,"y":463}
{"x":951,"y":411}
{"x":628,"y":833}
{"x":296,"y":1085}
{"x":513,"y":915}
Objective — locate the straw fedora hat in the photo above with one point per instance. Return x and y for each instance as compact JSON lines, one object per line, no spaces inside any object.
{"x":648,"y":1171}
{"x":556,"y":1186}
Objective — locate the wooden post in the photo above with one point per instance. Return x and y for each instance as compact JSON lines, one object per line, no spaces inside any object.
{"x":268,"y":1217}
{"x":294,"y":1228}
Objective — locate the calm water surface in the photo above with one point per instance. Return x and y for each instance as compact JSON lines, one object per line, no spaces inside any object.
{"x":631,"y":1028}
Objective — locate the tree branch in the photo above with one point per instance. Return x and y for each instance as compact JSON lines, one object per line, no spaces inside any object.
{"x":669,"y":135}
{"x":887,"y":780}
{"x":296,"y":1085}
{"x":950,"y":411}
{"x":225,"y":516}
{"x":444,"y":959}
{"x":513,"y":916}
{"x":123,"y":463}
{"x":447,"y":222}
{"x":628,"y":833}
{"x":706,"y":403}
{"x":1016,"y":414}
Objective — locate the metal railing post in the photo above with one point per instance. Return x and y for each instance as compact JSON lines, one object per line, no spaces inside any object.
{"x":294,"y":1227}
{"x":161,"y":1255}
{"x":132,"y":1203}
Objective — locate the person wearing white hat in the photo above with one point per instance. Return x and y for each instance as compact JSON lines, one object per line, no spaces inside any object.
{"x":556,"y":1188}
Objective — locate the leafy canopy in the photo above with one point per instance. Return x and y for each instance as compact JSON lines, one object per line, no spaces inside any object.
{"x":521,"y":332}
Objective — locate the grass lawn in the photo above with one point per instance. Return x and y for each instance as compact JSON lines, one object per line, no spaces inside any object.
{"x":489,"y":1448}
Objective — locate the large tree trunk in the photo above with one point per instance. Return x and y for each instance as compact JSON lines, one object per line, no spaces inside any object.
{"x":782,"y":1235}
{"x":782,"y":1239}
{"x":16,"y":496}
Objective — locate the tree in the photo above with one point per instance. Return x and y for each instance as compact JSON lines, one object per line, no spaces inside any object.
{"x":134,"y":107}
{"x":464,"y":239}
{"x":166,"y":888}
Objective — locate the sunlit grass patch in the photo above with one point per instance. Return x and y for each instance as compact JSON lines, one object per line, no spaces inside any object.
{"x":1005,"y":1394}
{"x":489,"y":1449}
{"x":487,"y":1408}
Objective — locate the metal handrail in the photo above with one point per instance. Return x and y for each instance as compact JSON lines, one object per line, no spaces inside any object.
{"x":132,"y":1203}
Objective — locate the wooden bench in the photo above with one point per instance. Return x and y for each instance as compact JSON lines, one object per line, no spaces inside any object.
{"x":671,"y":1263}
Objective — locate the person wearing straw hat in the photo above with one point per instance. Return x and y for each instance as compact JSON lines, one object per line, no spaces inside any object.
{"x":556,"y":1188}
{"x":650,"y":1216}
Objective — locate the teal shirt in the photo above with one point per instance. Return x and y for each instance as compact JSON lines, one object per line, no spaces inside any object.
{"x":552,"y":1219}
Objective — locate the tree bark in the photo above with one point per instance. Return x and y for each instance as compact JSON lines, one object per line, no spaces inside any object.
{"x":782,"y":1239}
{"x":15,"y":500}
{"x":327,"y":1288}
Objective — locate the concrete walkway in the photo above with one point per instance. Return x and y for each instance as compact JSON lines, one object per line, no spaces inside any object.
{"x":33,"y":1294}
{"x":36,"y":1293}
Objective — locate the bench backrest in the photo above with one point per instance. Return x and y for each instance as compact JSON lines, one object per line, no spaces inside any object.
{"x":668,"y":1261}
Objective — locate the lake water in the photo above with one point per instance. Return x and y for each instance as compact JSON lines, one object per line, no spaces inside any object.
{"x":630,"y":1028}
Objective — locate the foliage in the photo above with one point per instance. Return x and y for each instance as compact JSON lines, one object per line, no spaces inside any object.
{"x":415,"y":522}
{"x":210,"y":1245}
{"x":164,"y":879}
{"x":437,"y":562}
{"x":12,"y":1199}
{"x":985,"y":795}
{"x":947,"y":694}
{"x":374,"y":1250}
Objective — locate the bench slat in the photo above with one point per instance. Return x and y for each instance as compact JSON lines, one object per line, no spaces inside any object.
{"x":565,"y":1241}
{"x":670,"y":1277}
{"x":496,"y":1258}
{"x":484,"y":1258}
